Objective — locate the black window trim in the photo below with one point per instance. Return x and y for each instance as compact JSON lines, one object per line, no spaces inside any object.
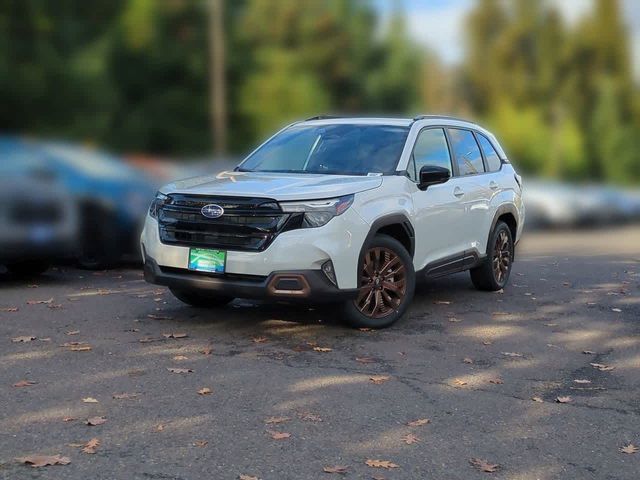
{"x":412,"y":159}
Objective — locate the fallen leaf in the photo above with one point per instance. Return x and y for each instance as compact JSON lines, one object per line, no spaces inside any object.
{"x":512,"y":354}
{"x":274,"y":420}
{"x":454,"y":320}
{"x":44,"y":460}
{"x":366,"y":329}
{"x":91,"y":445}
{"x":588,"y":352}
{"x":380,"y":463}
{"x":410,"y":439}
{"x":496,"y":381}
{"x":175,"y":335}
{"x":322,"y":349}
{"x":487,"y":342}
{"x":365,"y":360}
{"x":629,"y":449}
{"x":124,"y":396}
{"x":617,"y":310}
{"x":602,"y":367}
{"x":80,"y":348}
{"x":582,"y":381}
{"x":340,"y":469}
{"x":159,"y":317}
{"x":566,"y":399}
{"x":89,"y":400}
{"x":200,"y":443}
{"x":54,"y":306}
{"x":179,"y":358}
{"x":93,"y":421}
{"x":484,"y":466}
{"x":73,"y":332}
{"x":206,"y":350}
{"x":24,"y":383}
{"x":73,"y":344}
{"x":204,"y":391}
{"x":23,"y":339}
{"x":420,"y":422}
{"x":467,"y":360}
{"x":40,"y":302}
{"x":278,"y":435}
{"x":459,"y":381}
{"x":378,"y":379}
{"x":159,"y":427}
{"x":259,"y":339}
{"x":247,"y":477}
{"x":68,"y":419}
{"x":180,"y":370}
{"x":309,"y":417}
{"x":9,"y":309}
{"x":537,"y":399}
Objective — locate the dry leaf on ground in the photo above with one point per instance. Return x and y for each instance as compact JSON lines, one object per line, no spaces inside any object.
{"x":512,"y":354}
{"x":537,"y":399}
{"x":588,"y":352}
{"x":420,"y":422}
{"x":259,"y":339}
{"x":247,"y":477}
{"x":44,"y":460}
{"x":565,"y":399}
{"x":175,"y":335}
{"x":40,"y":302}
{"x":459,"y":382}
{"x":629,"y":449}
{"x":24,"y":383}
{"x":89,"y":400}
{"x":124,"y":396}
{"x":93,"y":421}
{"x":380,"y":463}
{"x":467,"y":360}
{"x":322,"y":349}
{"x":278,"y":435}
{"x":496,"y":381}
{"x":340,"y":469}
{"x":200,"y":443}
{"x":180,"y":370}
{"x":206,"y":350}
{"x":204,"y":391}
{"x":179,"y":358}
{"x":580,"y":380}
{"x":23,"y":339}
{"x":410,"y":439}
{"x":602,"y":367}
{"x":274,"y":420}
{"x":378,"y":379}
{"x":153,"y":316}
{"x":72,"y":332}
{"x":365,"y":360}
{"x":9,"y":309}
{"x":484,"y":466}
{"x":91,"y":445}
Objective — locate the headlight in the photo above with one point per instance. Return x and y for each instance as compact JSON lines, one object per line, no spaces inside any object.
{"x":318,"y":212}
{"x":160,"y":200}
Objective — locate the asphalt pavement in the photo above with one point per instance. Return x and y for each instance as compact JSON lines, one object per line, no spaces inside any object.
{"x":541,"y":381}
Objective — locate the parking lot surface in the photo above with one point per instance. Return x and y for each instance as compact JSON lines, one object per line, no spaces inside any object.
{"x":541,"y":381}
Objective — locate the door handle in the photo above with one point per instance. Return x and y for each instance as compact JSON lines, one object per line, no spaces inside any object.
{"x":493,"y":185}
{"x":458,"y":192}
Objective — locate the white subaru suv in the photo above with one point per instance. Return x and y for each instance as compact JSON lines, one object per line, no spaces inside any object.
{"x":345,"y":210}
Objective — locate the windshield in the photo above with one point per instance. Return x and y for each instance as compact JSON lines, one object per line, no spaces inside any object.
{"x":344,"y":149}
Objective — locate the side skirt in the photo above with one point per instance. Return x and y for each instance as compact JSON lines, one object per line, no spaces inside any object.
{"x":453,"y":264}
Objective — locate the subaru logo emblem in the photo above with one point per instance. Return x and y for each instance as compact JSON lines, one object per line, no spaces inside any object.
{"x":212,"y":211}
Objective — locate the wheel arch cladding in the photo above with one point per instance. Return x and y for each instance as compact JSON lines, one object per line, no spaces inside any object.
{"x":396,"y":226}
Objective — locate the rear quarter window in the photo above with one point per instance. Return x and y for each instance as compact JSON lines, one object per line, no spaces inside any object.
{"x":493,"y":159}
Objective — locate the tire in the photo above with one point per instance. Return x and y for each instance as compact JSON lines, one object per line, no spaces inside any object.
{"x":28,"y":268}
{"x":200,"y":299}
{"x":500,"y":254}
{"x":390,"y":303}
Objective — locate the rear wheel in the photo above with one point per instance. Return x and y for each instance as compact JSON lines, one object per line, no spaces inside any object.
{"x":387,"y":283}
{"x":28,"y":268}
{"x":200,"y":299}
{"x":494,"y":272}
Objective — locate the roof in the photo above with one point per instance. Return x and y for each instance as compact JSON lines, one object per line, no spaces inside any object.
{"x":399,"y":121}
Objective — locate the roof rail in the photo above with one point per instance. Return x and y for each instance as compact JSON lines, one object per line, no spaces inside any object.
{"x":444,"y":117}
{"x":324,"y":117}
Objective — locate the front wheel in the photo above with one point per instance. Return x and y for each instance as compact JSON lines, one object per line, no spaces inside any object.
{"x":200,"y":299}
{"x":387,"y":283}
{"x":493,"y":274}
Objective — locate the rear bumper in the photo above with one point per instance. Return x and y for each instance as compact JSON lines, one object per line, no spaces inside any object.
{"x":310,"y":286}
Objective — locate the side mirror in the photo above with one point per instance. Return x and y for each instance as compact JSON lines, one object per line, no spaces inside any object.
{"x":432,"y":175}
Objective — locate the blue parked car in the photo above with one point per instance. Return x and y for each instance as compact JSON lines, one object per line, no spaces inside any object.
{"x":111,"y":197}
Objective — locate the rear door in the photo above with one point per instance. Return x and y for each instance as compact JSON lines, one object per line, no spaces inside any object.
{"x":472,"y":188}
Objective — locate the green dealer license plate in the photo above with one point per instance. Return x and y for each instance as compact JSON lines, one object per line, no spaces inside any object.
{"x":205,"y":260}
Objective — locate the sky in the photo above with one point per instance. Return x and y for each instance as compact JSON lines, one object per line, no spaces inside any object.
{"x":439,"y":24}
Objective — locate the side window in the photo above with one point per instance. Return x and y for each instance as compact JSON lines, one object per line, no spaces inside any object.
{"x":466,"y":152}
{"x":430,"y":149}
{"x":493,"y":159}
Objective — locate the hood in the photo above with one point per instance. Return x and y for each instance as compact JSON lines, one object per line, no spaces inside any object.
{"x":278,"y":186}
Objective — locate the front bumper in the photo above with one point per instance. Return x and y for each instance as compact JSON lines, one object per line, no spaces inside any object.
{"x":303,"y":285}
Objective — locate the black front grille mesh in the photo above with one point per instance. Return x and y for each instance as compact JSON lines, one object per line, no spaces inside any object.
{"x":248,"y":224}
